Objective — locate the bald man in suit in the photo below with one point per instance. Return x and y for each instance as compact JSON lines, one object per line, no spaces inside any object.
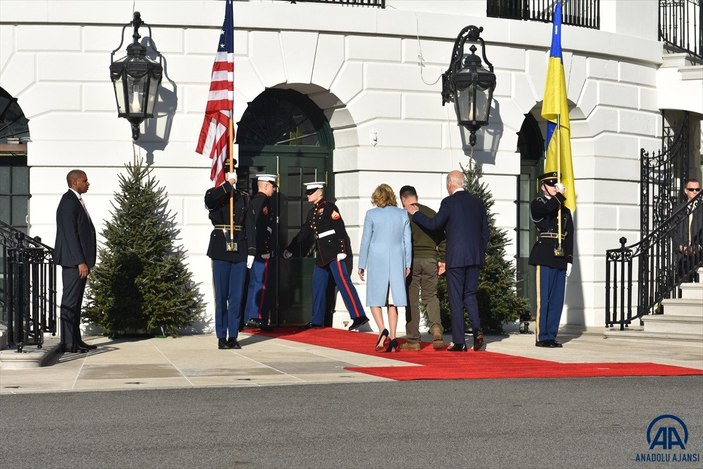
{"x":464,"y":220}
{"x":75,"y":251}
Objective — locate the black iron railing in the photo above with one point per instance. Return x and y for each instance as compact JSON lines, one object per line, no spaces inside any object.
{"x":28,"y":295}
{"x":662,"y":266}
{"x":363,"y":3}
{"x":680,"y":25}
{"x":585,"y":13}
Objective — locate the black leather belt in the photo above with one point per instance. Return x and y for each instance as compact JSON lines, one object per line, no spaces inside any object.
{"x":226,"y":227}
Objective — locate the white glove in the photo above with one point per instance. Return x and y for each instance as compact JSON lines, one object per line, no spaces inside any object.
{"x":231,"y":177}
{"x":341,"y":256}
{"x":250,"y":261}
{"x":287,"y":254}
{"x":560,"y":187}
{"x":568,"y":269}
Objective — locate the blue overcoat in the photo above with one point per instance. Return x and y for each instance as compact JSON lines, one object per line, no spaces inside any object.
{"x":386,"y":251}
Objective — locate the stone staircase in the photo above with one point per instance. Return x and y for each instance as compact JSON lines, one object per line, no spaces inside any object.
{"x":682,"y":319}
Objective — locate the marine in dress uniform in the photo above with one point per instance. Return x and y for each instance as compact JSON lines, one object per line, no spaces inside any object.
{"x":260,"y":227}
{"x":553,"y":263}
{"x":228,"y":251}
{"x":324,"y":230}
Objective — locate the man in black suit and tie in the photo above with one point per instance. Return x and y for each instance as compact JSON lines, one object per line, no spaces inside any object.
{"x":465,"y":222}
{"x":75,"y":251}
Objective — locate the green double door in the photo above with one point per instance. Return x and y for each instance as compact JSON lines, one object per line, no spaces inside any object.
{"x":289,"y":290}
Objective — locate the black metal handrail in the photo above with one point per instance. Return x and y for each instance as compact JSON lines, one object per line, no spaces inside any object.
{"x":584,"y":13}
{"x":363,"y":3}
{"x":28,"y":295}
{"x":662,"y":269}
{"x":680,"y":25}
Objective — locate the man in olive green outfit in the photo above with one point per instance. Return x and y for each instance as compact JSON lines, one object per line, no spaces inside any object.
{"x":428,"y":264}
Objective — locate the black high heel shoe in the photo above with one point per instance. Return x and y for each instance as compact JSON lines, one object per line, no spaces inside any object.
{"x":392,"y":346}
{"x":381,"y":342}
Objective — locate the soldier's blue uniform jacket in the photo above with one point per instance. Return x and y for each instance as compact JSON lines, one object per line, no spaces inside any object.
{"x":325,"y":231}
{"x":544,"y":212}
{"x":260,"y":226}
{"x":217,"y":202}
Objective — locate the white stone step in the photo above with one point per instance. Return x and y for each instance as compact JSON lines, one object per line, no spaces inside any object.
{"x":683,"y":307}
{"x":692,"y":72}
{"x":635,"y":334}
{"x":673,"y":324}
{"x":692,"y":291}
{"x":676,"y":60}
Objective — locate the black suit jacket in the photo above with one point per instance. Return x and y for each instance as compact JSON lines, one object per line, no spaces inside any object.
{"x":75,"y":234}
{"x":465,"y":222}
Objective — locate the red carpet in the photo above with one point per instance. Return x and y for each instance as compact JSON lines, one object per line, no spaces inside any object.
{"x":470,"y":365}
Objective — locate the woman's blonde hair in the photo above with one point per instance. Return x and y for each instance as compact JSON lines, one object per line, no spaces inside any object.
{"x":383,"y":196}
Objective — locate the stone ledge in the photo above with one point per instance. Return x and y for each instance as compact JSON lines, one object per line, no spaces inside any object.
{"x":31,"y":356}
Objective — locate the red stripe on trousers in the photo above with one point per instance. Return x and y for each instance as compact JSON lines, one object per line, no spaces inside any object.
{"x":346,"y":287}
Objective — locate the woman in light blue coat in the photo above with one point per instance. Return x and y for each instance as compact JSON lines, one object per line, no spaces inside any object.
{"x":386,"y":252}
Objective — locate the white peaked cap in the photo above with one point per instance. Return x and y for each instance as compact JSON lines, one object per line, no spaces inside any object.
{"x":314,"y":185}
{"x":266,"y":177}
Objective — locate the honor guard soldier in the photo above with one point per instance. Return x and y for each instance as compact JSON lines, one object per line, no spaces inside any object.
{"x":260,"y":228}
{"x":228,"y":251}
{"x":324,"y":230}
{"x":552,"y":255}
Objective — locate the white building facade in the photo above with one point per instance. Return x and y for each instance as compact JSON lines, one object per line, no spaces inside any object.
{"x":372,"y":73}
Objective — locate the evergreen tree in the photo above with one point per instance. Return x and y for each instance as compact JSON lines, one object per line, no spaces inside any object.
{"x":497,"y":297}
{"x":141,"y":282}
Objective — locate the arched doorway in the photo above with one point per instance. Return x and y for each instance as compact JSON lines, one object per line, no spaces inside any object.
{"x":531,"y":147}
{"x":14,"y":181}
{"x":283,"y":132}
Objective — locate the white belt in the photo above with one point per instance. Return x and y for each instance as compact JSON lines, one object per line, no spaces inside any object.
{"x":325,"y":233}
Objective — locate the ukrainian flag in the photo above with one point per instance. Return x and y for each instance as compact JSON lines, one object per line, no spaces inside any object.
{"x":558,"y":143}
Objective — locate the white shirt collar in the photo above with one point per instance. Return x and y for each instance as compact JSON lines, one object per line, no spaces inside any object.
{"x":74,"y":191}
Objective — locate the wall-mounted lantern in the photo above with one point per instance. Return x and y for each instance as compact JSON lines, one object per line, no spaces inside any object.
{"x":136,"y":79}
{"x":468,"y":84}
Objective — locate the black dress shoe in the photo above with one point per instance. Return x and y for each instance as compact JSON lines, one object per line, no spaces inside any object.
{"x":87,"y":346}
{"x":556,"y":344}
{"x":74,"y":348}
{"x":358,"y":322}
{"x":310,"y":325}
{"x":543,"y":343}
{"x":479,"y":341}
{"x":252,"y":324}
{"x":232,"y":343}
{"x":456,"y":347}
{"x":221,"y":344}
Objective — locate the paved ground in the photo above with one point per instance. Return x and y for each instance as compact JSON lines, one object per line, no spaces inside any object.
{"x":502,"y":423}
{"x":194,"y":361}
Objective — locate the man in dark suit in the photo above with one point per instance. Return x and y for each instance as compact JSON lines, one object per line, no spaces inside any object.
{"x":465,"y":222}
{"x":687,"y":236}
{"x":75,"y":251}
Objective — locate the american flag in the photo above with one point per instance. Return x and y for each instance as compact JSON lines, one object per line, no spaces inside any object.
{"x":214,"y":135}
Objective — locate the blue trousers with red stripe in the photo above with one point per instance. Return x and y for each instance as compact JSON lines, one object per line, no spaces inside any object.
{"x":551,"y":284}
{"x":320,"y":278}
{"x":257,"y":303}
{"x":229,"y":289}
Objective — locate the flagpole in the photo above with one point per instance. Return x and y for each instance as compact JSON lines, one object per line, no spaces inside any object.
{"x":560,"y":250}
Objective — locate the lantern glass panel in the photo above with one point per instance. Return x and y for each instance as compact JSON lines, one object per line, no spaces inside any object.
{"x":153,"y":94}
{"x":135,"y":94}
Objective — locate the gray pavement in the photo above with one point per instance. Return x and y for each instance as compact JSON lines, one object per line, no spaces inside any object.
{"x":194,"y":361}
